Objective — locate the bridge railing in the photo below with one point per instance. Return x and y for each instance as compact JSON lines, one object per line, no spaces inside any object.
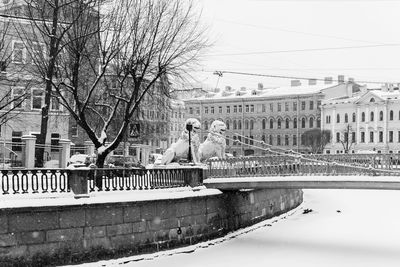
{"x":281,"y":165}
{"x":84,"y":180}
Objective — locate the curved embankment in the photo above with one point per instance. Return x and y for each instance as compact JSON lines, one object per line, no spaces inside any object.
{"x":90,"y":230}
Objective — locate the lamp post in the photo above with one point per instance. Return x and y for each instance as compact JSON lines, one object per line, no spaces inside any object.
{"x":189,"y":128}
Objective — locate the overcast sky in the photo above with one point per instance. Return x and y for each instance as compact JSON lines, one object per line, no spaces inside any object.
{"x":264,"y":37}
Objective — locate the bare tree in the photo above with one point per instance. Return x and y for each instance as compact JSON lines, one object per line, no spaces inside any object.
{"x":45,"y":38}
{"x":346,"y":139}
{"x":138,"y":47}
{"x":316,"y":139}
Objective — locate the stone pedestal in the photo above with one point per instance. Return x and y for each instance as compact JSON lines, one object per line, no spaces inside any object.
{"x":29,"y":151}
{"x":78,"y":181}
{"x":65,"y":153}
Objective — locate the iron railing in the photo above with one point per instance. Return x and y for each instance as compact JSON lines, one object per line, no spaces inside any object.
{"x":281,"y":165}
{"x":35,"y":181}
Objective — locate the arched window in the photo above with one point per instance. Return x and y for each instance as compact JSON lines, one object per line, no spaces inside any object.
{"x":318,"y":122}
{"x":263,"y":138}
{"x":372,"y":116}
{"x":354,"y":117}
{"x":271,"y":124}
{"x":264,"y":124}
{"x":278,"y":140}
{"x":346,"y":118}
{"x":363,"y":116}
{"x":279,"y":123}
{"x":246,"y":124}
{"x":295,"y":123}
{"x":271,"y":140}
{"x":303,"y":123}
{"x":206,"y":125}
{"x":372,"y":100}
{"x":234,"y":125}
{"x":227,"y":124}
{"x":311,"y":122}
{"x":338,"y":118}
{"x":391,"y":115}
{"x":239,"y":124}
{"x":251,"y":124}
{"x":287,"y":123}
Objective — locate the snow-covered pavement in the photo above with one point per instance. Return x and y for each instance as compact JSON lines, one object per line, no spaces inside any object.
{"x":343,"y":228}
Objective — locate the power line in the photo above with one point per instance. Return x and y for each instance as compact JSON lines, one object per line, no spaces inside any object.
{"x":292,"y":77}
{"x":305,"y":50}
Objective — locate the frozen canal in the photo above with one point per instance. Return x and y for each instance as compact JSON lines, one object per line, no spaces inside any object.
{"x":344,"y":228}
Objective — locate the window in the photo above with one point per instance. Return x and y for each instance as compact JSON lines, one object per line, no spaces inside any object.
{"x":346,"y":118}
{"x":3,"y":66}
{"x":303,"y":105}
{"x":219,"y":109}
{"x":34,"y":53}
{"x":205,"y":125}
{"x":16,"y":141}
{"x":251,"y":140}
{"x":271,"y":139}
{"x":251,"y":124}
{"x":372,"y":100}
{"x":381,"y":115}
{"x":279,"y":123}
{"x":271,"y":107}
{"x":18,"y":52}
{"x":346,"y":137}
{"x":303,"y":123}
{"x":294,"y":140}
{"x":279,"y":106}
{"x":37,"y":98}
{"x":391,"y":115}
{"x":371,"y":116}
{"x":353,"y":137}
{"x":337,"y":137}
{"x":190,"y":110}
{"x":227,"y":140}
{"x":263,"y":138}
{"x":287,"y":124}
{"x":371,"y":137}
{"x":234,"y":109}
{"x":363,"y":117}
{"x":278,"y":140}
{"x":228,"y":109}
{"x":239,"y":125}
{"x":55,"y":103}
{"x":311,"y":122}
{"x":264,"y":124}
{"x":327,"y":119}
{"x":286,"y":140}
{"x":398,"y":136}
{"x":212,"y":110}
{"x":380,"y":136}
{"x":362,"y":137}
{"x":17,"y":96}
{"x":263,"y":108}
{"x":240,"y":108}
{"x":74,"y":129}
{"x":319,"y":104}
{"x":318,"y":122}
{"x":311,"y":105}
{"x":234,"y":125}
{"x":55,"y":142}
{"x":390,"y":136}
{"x":354,"y":117}
{"x":246,"y":124}
{"x":294,"y":123}
{"x":247,"y":108}
{"x":271,"y":124}
{"x":294,"y":106}
{"x":251,"y":108}
{"x":198,"y":111}
{"x":338,"y":118}
{"x":286,"y":106}
{"x":228,"y":124}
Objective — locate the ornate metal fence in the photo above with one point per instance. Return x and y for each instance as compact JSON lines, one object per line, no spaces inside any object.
{"x":47,"y":181}
{"x":274,"y":165}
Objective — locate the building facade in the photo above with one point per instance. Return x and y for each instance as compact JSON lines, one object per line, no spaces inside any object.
{"x":366,"y":122}
{"x":265,"y":117}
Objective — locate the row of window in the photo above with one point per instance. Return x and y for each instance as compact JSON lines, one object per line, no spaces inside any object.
{"x":279,"y":124}
{"x":16,"y":139}
{"x":363,"y":117}
{"x":345,"y":137}
{"x":36,"y":99}
{"x":278,"y":140}
{"x":251,"y":108}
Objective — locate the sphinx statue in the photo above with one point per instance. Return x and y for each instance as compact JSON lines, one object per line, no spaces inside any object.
{"x":180,"y":149}
{"x":215,"y":144}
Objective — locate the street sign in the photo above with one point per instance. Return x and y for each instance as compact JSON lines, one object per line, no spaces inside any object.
{"x":134,"y":130}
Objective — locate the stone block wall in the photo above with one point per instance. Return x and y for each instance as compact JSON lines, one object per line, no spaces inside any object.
{"x":68,"y":234}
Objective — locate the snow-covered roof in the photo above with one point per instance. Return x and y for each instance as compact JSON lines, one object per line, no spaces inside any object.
{"x":380,"y":93}
{"x":262,"y":93}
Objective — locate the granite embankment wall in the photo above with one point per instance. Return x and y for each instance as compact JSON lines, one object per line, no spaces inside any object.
{"x":66,"y":234}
